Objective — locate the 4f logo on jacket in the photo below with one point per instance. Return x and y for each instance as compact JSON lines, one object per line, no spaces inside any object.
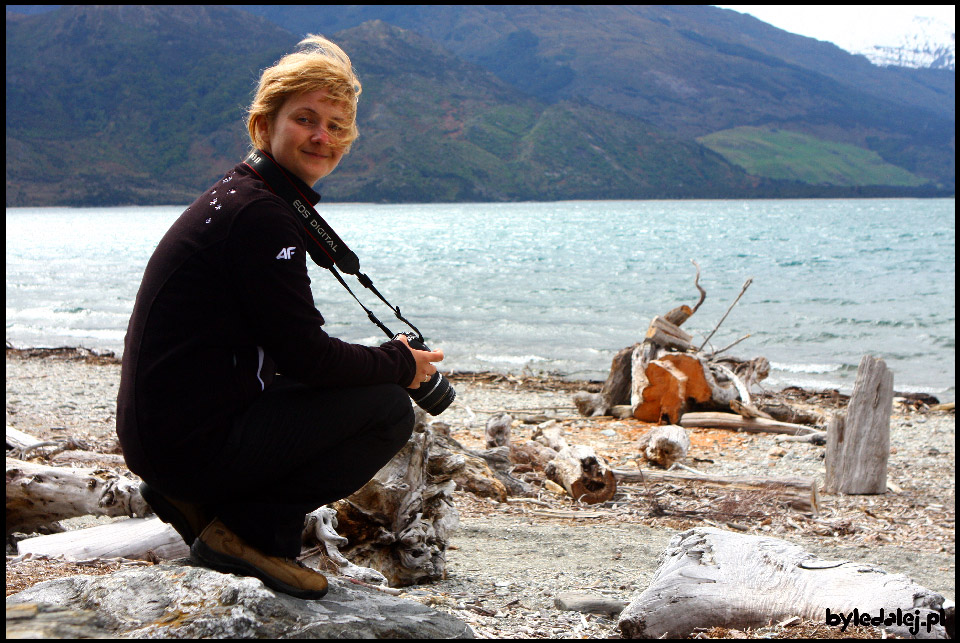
{"x":287,"y":253}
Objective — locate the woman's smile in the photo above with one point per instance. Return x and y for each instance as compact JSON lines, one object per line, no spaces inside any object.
{"x":302,"y":137}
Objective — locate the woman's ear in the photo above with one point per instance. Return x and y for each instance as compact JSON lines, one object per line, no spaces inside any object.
{"x":262,"y":126}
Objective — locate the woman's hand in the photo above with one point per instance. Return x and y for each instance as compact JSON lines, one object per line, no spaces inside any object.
{"x":424,"y":359}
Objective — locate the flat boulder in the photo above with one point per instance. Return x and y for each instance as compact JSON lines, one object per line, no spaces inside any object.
{"x":178,"y":599}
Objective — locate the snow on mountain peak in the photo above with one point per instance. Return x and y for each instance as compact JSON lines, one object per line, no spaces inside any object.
{"x":928,"y":43}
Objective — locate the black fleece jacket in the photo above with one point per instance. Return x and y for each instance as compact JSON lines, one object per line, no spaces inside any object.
{"x":224,"y":305}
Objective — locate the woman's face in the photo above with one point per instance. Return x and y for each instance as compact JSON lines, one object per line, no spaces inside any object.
{"x":299,"y":137}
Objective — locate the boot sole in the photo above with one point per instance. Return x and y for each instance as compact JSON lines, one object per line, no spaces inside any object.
{"x":168,"y":513}
{"x":220,"y":562}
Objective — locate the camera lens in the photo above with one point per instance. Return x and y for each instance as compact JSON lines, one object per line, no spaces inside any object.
{"x":435,"y":395}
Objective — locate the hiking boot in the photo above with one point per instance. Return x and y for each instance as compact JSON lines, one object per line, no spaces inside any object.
{"x":188,"y":519}
{"x":219,"y":548}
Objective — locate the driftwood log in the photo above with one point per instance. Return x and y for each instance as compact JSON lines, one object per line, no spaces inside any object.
{"x":20,"y":442}
{"x":499,"y":462}
{"x":819,"y":438}
{"x":550,"y":434}
{"x":532,"y":453}
{"x":786,"y":413}
{"x":858,"y":446}
{"x":665,"y":444}
{"x":475,"y":476}
{"x":714,"y":578}
{"x":38,"y":496}
{"x":714,"y":420}
{"x":579,"y":471}
{"x":136,"y":538}
{"x":798,"y":492}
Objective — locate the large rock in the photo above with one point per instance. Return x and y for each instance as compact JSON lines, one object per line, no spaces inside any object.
{"x":179,"y":600}
{"x":45,"y":621}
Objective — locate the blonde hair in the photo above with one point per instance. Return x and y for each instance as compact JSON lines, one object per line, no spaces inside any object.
{"x":317,"y":64}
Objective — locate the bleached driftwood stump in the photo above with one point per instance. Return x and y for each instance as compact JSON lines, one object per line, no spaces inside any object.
{"x":583,"y":474}
{"x":667,"y":383}
{"x":498,"y":430}
{"x":858,"y":446}
{"x":666,"y":374}
{"x":321,"y":525}
{"x":665,"y":444}
{"x":400,"y":521}
{"x":39,"y":495}
{"x":714,"y":578}
{"x":578,"y":469}
{"x":616,"y":389}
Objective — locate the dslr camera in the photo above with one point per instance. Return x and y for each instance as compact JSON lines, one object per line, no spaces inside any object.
{"x":435,"y":395}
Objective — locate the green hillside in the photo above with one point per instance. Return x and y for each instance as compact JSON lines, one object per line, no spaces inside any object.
{"x":792,"y":156}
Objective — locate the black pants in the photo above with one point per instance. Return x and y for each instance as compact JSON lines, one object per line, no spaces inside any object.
{"x":297,"y":449}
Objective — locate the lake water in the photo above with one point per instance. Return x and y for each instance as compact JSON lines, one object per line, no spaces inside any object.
{"x":561,"y":286}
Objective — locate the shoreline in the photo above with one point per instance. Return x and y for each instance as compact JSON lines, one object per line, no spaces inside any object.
{"x":510,"y":585}
{"x":556,"y":380}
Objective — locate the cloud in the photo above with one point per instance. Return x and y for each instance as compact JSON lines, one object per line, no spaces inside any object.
{"x":855,"y":27}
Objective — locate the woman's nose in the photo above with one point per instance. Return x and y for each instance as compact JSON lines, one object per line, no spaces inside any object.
{"x":321,"y":135}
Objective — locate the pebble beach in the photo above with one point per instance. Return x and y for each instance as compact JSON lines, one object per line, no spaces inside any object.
{"x":508,"y":562}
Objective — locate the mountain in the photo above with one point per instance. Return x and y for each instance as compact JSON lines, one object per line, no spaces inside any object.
{"x":129,"y":104}
{"x":929,"y":44}
{"x":689,"y":70}
{"x":109,"y":105}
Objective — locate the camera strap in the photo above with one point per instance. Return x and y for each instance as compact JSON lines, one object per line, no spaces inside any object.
{"x":330,"y":251}
{"x":333,"y":250}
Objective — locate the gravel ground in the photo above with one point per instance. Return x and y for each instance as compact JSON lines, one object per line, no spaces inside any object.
{"x":508,"y":562}
{"x":512,"y":562}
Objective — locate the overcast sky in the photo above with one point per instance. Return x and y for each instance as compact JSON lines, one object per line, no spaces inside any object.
{"x":854,"y":27}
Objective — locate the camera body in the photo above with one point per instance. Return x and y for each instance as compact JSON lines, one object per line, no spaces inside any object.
{"x":436,"y":394}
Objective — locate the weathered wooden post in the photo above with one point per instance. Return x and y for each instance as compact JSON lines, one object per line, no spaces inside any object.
{"x":858,"y":445}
